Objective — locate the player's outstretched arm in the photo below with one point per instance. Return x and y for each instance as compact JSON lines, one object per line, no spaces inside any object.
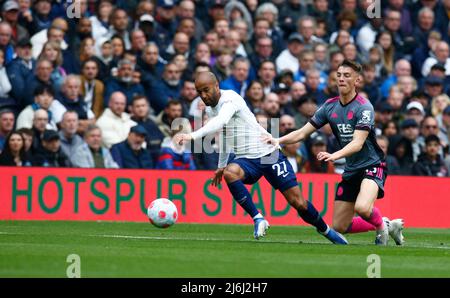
{"x":359,"y":137}
{"x":298,"y":135}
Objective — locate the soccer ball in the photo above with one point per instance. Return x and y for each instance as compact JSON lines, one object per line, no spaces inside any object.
{"x":162,"y":213}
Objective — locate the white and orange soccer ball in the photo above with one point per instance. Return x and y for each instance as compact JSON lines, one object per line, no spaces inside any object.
{"x":162,"y":213}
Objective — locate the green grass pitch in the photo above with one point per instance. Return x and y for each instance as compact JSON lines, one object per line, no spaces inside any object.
{"x":119,"y":249}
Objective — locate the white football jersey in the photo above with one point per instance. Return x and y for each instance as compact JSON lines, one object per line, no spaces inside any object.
{"x":240,"y":133}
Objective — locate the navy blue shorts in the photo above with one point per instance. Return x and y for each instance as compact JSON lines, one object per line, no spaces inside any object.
{"x":279,"y":173}
{"x":348,"y":189}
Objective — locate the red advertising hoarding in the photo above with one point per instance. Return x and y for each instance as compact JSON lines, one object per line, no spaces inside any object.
{"x":123,"y":195}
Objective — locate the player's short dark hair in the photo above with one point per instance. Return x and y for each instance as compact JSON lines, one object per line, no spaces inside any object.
{"x":432,"y":138}
{"x":352,"y":64}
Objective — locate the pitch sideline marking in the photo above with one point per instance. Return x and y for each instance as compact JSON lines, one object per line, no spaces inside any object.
{"x":217,"y":239}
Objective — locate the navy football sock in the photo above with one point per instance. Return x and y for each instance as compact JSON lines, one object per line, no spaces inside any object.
{"x":242,"y":196}
{"x":312,"y":216}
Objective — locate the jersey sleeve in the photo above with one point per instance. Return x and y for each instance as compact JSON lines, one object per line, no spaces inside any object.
{"x":320,"y":118}
{"x":365,"y":118}
{"x":227,"y":111}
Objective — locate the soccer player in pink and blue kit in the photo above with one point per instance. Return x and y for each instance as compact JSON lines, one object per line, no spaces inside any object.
{"x":351,"y":118}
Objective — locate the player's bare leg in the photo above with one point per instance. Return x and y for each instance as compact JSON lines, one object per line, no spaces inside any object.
{"x":364,"y":207}
{"x":234,"y":175}
{"x":309,"y":214}
{"x":343,"y":213}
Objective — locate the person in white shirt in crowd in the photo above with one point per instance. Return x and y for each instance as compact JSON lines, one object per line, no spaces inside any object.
{"x":115,"y":123}
{"x":43,"y":99}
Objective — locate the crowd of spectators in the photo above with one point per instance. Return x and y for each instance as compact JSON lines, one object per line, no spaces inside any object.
{"x":99,"y":83}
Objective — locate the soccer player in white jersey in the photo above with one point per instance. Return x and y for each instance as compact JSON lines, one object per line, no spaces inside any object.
{"x":253,"y":158}
{"x":351,"y":118}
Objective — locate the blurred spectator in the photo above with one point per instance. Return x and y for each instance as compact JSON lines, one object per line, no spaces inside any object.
{"x":290,"y":13}
{"x":263,"y":51}
{"x":140,"y":111}
{"x":174,"y":156}
{"x":424,"y":23}
{"x":222,"y":67}
{"x":151,"y":66}
{"x":392,"y":163}
{"x":383,"y":115}
{"x":306,"y":25}
{"x":269,"y":12}
{"x":445,"y":127}
{"x":41,"y":15}
{"x":6,"y":42}
{"x":19,"y":69}
{"x":43,"y":99}
{"x":165,"y":22}
{"x":238,"y":80}
{"x":423,"y":51}
{"x":288,"y":57}
{"x":5,"y":86}
{"x":271,"y":105}
{"x":130,"y":154}
{"x":287,"y":122}
{"x":28,"y":135}
{"x":306,"y":106}
{"x":50,"y":154}
{"x":10,"y":14}
{"x":172,"y":112}
{"x":119,"y":26}
{"x":314,"y":87}
{"x":115,"y":123}
{"x":430,"y":163}
{"x":7,"y":122}
{"x":52,"y":52}
{"x":440,"y":54}
{"x":100,"y":20}
{"x":187,"y":95}
{"x":166,"y":89}
{"x":71,"y":99}
{"x":297,"y":91}
{"x":13,"y":153}
{"x":267,"y":74}
{"x":179,"y":45}
{"x":438,"y":105}
{"x":414,"y":110}
{"x":402,"y":68}
{"x":306,"y":61}
{"x":429,"y":126}
{"x":92,"y":154}
{"x":371,"y":86}
{"x":312,"y":164}
{"x":41,"y":77}
{"x":124,"y":82}
{"x":56,"y":32}
{"x":294,"y":157}
{"x":187,"y":9}
{"x":254,"y":95}
{"x":70,"y":140}
{"x":286,"y":106}
{"x":434,"y":86}
{"x":40,"y":121}
{"x":92,"y":89}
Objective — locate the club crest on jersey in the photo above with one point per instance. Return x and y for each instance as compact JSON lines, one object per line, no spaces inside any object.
{"x":365,"y":117}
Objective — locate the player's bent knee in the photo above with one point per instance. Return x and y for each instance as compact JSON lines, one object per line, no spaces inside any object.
{"x":232,"y":173}
{"x":363,"y":210}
